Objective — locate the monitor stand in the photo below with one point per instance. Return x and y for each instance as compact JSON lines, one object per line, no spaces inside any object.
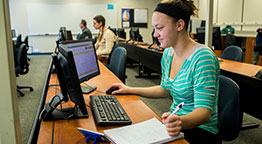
{"x":51,"y":113}
{"x":86,"y":89}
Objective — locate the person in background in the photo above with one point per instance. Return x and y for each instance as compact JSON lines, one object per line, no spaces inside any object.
{"x":258,"y":47}
{"x":86,"y":33}
{"x":105,"y":40}
{"x":190,"y":74}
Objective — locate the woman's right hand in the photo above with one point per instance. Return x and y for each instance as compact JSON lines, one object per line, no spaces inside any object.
{"x":122,"y":89}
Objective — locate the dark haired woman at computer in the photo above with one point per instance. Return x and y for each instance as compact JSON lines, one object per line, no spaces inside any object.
{"x":105,"y":39}
{"x":189,"y":74}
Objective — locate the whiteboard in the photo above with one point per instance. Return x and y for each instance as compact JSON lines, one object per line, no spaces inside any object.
{"x":252,"y":12}
{"x":229,"y":11}
{"x":48,"y":18}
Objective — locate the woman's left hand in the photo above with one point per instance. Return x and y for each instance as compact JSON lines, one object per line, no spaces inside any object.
{"x":173,"y":124}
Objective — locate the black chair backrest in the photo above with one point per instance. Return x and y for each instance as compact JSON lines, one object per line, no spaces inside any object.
{"x":113,"y":48}
{"x":232,"y":53}
{"x":118,"y":63}
{"x":229,"y":111}
{"x":22,"y":60}
{"x":18,"y":41}
{"x":26,"y":41}
{"x":230,"y":39}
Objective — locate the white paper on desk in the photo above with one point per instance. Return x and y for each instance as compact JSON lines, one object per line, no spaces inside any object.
{"x":147,"y":132}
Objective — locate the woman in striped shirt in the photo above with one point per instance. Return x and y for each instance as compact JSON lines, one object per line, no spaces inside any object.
{"x":189,"y":74}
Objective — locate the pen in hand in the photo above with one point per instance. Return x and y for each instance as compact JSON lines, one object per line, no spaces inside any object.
{"x":177,"y":108}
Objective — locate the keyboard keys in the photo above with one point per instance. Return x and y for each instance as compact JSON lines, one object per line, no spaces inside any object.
{"x":108,"y":111}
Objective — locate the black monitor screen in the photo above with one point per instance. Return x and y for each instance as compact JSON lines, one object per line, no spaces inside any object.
{"x":135,"y":35}
{"x":154,"y":39}
{"x":113,"y":30}
{"x":64,"y":34}
{"x":68,"y":67}
{"x":13,"y":33}
{"x":203,"y":23}
{"x":68,"y":35}
{"x":84,"y":57}
{"x":60,"y":76}
{"x":132,"y":34}
{"x":216,"y":40}
{"x":121,"y":33}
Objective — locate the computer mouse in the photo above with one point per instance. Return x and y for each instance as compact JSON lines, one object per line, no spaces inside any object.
{"x":111,"y":90}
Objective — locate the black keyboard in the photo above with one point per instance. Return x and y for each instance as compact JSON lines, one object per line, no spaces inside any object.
{"x":108,"y":111}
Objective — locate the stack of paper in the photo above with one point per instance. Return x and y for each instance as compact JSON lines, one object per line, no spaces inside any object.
{"x":147,"y":132}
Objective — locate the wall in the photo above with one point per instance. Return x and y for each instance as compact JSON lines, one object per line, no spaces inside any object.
{"x":46,"y":43}
{"x":243,"y":15}
{"x":10,"y":131}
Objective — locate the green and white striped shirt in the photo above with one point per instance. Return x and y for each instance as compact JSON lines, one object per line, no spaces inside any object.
{"x":196,"y":83}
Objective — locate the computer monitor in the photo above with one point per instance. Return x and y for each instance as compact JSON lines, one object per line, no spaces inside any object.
{"x":121,"y":33}
{"x":113,"y":30}
{"x":13,"y":33}
{"x":68,"y":35}
{"x":203,"y":23}
{"x":154,"y":41}
{"x":216,"y":40}
{"x":70,"y":87}
{"x":196,"y":23}
{"x":85,"y":58}
{"x":135,"y":35}
{"x":64,"y":34}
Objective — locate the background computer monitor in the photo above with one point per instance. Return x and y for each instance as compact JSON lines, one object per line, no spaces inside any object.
{"x":113,"y":30}
{"x":121,"y":33}
{"x":61,"y":34}
{"x":135,"y":35}
{"x":70,"y":87}
{"x":216,"y":40}
{"x":68,"y":35}
{"x":64,"y":34}
{"x":13,"y":33}
{"x":196,"y":23}
{"x":203,"y":23}
{"x":85,"y":58}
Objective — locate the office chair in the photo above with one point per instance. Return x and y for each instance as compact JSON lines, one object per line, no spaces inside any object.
{"x":230,"y":39}
{"x":232,"y":53}
{"x":113,"y":48}
{"x":18,"y":41}
{"x":16,"y":46}
{"x":229,"y":111}
{"x":27,"y":44}
{"x":118,"y":63}
{"x":22,"y":66}
{"x":26,"y":41}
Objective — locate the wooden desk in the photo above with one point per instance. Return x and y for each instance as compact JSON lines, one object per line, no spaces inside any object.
{"x":65,"y":131}
{"x":250,"y":87}
{"x":149,"y":59}
{"x":239,"y":67}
